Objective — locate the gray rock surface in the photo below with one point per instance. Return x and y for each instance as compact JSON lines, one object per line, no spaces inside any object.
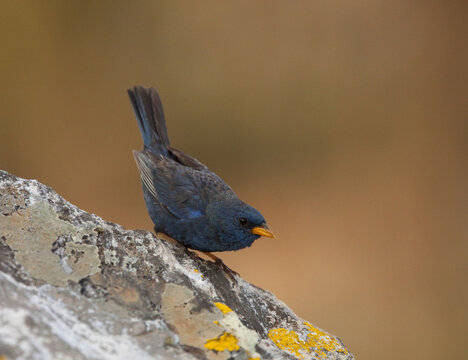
{"x":74,"y":286}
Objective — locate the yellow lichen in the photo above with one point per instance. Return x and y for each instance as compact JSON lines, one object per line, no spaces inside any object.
{"x":323,"y":341}
{"x":317,"y":341}
{"x":286,"y":340}
{"x":224,"y":308}
{"x":226,"y":341}
{"x":235,"y":330}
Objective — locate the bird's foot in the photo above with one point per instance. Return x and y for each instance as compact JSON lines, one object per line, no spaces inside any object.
{"x":218,"y":261}
{"x":231,"y":273}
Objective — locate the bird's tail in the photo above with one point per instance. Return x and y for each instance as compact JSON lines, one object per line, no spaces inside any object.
{"x":150,"y":116}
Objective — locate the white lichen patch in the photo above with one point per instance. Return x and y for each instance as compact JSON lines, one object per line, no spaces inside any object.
{"x":64,"y":263}
{"x":128,"y":262}
{"x":110,"y":257}
{"x":14,"y":331}
{"x":174,"y":266}
{"x":144,"y":244}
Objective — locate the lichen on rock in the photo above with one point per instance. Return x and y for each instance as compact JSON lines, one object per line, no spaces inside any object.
{"x":73,"y":286}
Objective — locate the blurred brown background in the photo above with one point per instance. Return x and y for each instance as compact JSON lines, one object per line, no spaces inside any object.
{"x":342,"y":121}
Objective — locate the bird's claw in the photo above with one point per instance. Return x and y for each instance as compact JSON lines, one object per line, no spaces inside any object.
{"x":231,"y":273}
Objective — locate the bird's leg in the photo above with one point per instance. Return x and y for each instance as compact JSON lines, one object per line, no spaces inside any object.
{"x":220,"y":263}
{"x":213,"y":257}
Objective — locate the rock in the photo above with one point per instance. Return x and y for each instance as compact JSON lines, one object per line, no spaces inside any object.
{"x":74,"y":286}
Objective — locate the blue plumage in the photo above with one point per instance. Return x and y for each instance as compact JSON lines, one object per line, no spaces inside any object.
{"x":184,"y":198}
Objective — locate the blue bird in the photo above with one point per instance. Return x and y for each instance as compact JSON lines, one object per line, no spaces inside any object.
{"x":186,"y":200}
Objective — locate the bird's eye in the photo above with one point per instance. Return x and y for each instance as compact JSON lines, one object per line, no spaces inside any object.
{"x":243,"y":221}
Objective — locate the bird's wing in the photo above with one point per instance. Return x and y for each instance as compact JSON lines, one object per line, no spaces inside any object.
{"x":186,"y":159}
{"x":183,"y":191}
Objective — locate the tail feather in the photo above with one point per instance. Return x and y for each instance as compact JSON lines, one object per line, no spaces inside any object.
{"x":150,"y":116}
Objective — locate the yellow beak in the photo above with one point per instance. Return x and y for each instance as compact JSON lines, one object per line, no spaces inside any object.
{"x":263,"y":231}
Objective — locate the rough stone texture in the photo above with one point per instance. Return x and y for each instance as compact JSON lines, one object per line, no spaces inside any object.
{"x":73,"y":286}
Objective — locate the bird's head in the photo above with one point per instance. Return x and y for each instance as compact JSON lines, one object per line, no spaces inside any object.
{"x":238,"y":224}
